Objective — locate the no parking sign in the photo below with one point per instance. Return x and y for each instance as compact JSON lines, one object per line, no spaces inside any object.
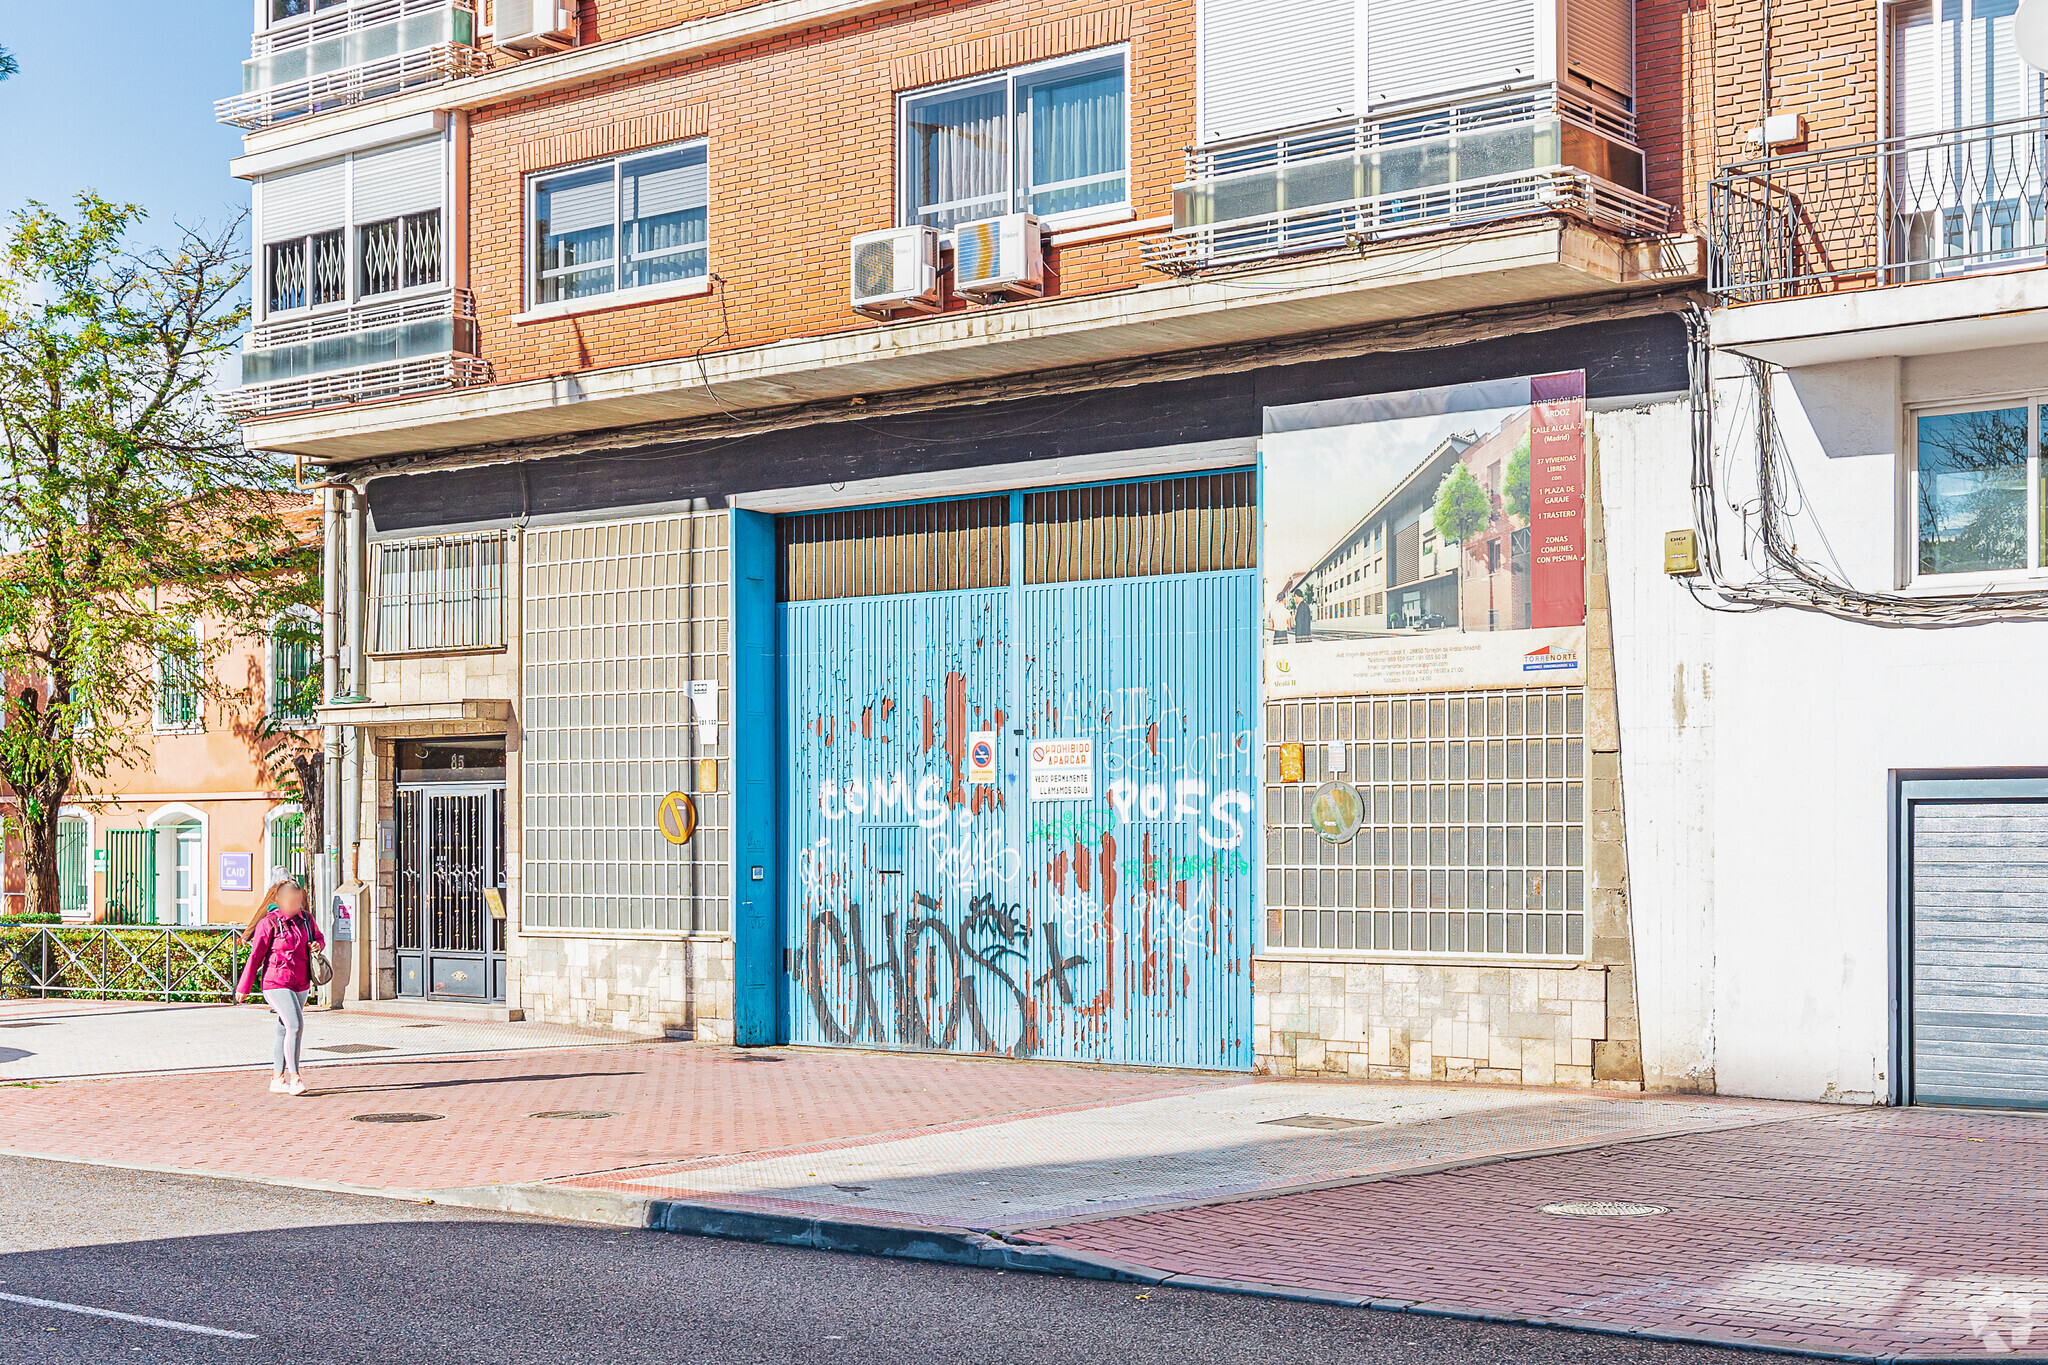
{"x":981,"y":756}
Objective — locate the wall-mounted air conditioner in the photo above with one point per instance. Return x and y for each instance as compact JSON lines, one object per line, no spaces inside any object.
{"x":534,"y":25}
{"x":896,"y":271}
{"x":999,"y":258}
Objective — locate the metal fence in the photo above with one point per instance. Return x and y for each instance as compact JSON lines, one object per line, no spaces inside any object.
{"x":95,"y":962}
{"x":1918,"y":207}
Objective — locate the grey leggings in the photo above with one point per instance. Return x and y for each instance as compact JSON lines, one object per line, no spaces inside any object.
{"x":290,"y":1007}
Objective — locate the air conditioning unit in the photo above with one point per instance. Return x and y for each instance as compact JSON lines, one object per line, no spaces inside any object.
{"x":998,"y":258}
{"x":534,"y":25}
{"x":896,"y":271}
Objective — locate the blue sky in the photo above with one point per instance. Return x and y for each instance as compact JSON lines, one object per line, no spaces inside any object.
{"x":119,"y":98}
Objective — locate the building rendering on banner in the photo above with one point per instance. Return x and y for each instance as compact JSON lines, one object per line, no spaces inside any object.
{"x":1149,"y":546}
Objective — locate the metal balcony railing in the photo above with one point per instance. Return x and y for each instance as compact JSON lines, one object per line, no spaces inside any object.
{"x":365,"y":52}
{"x":1535,"y":151}
{"x":356,"y":355}
{"x":1918,"y":207}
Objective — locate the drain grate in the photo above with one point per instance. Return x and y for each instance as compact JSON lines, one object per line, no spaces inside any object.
{"x":354,"y":1047}
{"x":755,"y":1057}
{"x":572,"y":1114}
{"x":396,"y":1118}
{"x":1324,"y":1121}
{"x":1602,"y":1208}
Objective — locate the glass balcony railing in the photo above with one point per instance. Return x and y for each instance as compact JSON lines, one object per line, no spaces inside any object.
{"x":348,"y":56}
{"x":359,"y":354}
{"x":351,"y":350}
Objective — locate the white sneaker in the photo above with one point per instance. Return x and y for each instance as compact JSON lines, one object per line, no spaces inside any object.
{"x":277,"y":1085}
{"x":295,"y":1086}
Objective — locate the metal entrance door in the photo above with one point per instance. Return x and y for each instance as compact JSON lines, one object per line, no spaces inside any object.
{"x":450,"y":851}
{"x":1101,"y":913}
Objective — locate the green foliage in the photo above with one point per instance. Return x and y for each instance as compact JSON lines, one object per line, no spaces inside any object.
{"x":1514,"y":494}
{"x":8,"y":66}
{"x":129,"y":506}
{"x":1462,"y":507}
{"x":15,"y":921}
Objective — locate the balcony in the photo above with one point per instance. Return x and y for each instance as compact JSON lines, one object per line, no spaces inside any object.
{"x":364,"y":52}
{"x":1529,"y":152}
{"x":360,"y":354}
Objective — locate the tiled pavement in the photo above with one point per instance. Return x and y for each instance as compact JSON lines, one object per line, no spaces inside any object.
{"x":1864,"y":1232}
{"x":1876,"y":1232}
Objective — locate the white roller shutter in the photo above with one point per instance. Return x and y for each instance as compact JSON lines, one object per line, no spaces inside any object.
{"x":1600,"y":42}
{"x":405,"y":178}
{"x":299,"y":202}
{"x":1415,"y":51}
{"x":672,"y":182}
{"x":1268,"y":65}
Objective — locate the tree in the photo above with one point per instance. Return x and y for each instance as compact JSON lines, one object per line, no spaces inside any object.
{"x":1514,"y":493}
{"x":8,"y":66}
{"x":128,"y":505}
{"x":1462,"y":507}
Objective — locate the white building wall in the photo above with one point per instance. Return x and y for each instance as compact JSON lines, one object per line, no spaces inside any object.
{"x":1757,"y":749}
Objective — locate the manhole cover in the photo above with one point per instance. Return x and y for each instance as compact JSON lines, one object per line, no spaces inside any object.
{"x":572,"y":1114}
{"x":1320,"y":1121}
{"x":1602,"y":1208}
{"x":397,"y":1118}
{"x":354,"y":1047}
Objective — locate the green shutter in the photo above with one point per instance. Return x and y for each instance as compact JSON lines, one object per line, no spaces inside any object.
{"x":74,"y":869}
{"x":131,"y":876}
{"x":288,"y":845}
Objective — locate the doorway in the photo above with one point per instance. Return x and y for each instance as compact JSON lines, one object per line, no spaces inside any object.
{"x":451,"y":870}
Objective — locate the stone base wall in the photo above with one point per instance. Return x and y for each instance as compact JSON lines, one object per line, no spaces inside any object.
{"x":1383,"y":1021}
{"x":649,"y":986}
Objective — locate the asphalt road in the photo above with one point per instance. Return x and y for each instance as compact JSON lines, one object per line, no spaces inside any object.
{"x":308,"y":1276}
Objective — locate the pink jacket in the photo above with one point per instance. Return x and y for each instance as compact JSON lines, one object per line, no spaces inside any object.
{"x":280,"y":947}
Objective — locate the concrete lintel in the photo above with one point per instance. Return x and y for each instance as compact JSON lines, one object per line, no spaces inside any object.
{"x":497,"y":710}
{"x":1928,"y":317}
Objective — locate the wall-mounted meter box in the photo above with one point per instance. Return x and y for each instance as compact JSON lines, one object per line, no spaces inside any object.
{"x":1681,"y":553}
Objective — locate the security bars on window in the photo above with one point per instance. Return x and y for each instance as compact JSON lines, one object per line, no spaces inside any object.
{"x":447,"y":593}
{"x":619,"y":618}
{"x":1473,"y":843}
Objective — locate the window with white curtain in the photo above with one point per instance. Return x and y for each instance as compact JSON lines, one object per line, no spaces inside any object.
{"x":1049,"y":139}
{"x":632,"y":222}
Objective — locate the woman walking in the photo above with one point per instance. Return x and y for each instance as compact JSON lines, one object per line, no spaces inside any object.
{"x":280,"y":954}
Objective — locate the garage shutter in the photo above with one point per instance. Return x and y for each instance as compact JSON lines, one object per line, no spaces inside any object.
{"x":1979,"y":953}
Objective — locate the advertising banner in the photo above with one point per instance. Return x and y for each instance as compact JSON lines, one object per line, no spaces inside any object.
{"x":1426,"y":540}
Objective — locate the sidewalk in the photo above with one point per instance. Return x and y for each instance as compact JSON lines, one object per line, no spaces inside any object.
{"x":1806,"y":1227}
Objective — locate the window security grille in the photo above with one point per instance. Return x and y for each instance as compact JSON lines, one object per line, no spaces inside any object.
{"x":74,"y":868}
{"x":306,"y":272}
{"x":1473,"y":842}
{"x":287,"y":850}
{"x":441,"y":594}
{"x":294,"y":645}
{"x":399,"y":253}
{"x":177,"y":691}
{"x":131,"y":876}
{"x":619,"y":618}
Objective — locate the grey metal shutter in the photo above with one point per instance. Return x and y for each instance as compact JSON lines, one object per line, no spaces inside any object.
{"x":1268,"y":65}
{"x":405,"y":178}
{"x":1979,"y":953}
{"x":1416,"y":51}
{"x":297,"y":202}
{"x":1600,"y":42}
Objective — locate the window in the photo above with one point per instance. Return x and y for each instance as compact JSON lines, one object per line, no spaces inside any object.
{"x":1048,"y":139}
{"x":306,"y":272}
{"x":294,"y":662}
{"x":1977,"y":490}
{"x":281,"y":10}
{"x":177,"y":686}
{"x":629,"y":223}
{"x":442,"y":594}
{"x":398,"y":253}
{"x":286,"y":845}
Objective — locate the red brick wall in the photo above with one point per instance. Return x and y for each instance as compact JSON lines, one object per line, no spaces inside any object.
{"x":802,"y":156}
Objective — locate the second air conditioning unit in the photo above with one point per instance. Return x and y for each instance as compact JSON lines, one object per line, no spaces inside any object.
{"x":999,"y":258}
{"x":534,"y":25}
{"x":896,"y":271}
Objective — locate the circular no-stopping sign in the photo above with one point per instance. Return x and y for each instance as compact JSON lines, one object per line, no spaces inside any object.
{"x":676,"y":817}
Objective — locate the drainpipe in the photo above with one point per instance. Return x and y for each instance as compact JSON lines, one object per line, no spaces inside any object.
{"x":327,"y":858}
{"x":352,"y":762}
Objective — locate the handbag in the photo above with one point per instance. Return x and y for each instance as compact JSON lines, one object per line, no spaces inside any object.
{"x":318,"y":968}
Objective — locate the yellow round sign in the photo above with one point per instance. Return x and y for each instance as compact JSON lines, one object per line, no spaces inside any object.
{"x":676,"y":817}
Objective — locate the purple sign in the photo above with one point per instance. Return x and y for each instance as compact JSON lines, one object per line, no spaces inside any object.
{"x":237,"y":871}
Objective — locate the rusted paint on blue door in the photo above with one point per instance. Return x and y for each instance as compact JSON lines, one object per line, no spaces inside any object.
{"x":929,"y":912}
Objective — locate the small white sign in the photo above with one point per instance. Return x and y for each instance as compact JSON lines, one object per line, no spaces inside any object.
{"x":981,"y":756}
{"x":1062,"y":770}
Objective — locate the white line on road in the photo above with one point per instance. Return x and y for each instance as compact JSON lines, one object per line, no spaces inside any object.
{"x":165,"y":1323}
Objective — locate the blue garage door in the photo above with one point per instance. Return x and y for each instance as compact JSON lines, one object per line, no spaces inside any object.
{"x":1082,"y":888}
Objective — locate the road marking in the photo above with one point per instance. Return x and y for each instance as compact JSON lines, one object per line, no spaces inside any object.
{"x":165,"y":1323}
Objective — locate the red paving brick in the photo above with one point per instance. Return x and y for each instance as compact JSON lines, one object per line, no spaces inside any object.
{"x":672,"y":1102}
{"x":1908,"y":1232}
